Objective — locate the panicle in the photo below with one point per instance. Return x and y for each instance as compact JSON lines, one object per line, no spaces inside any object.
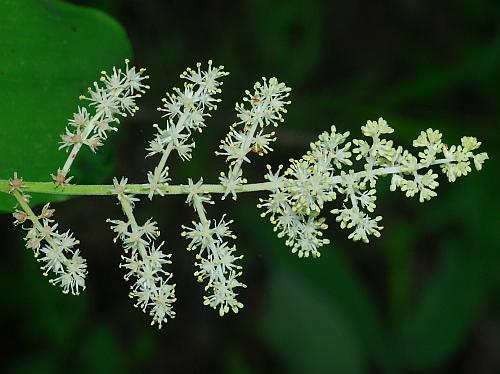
{"x":250,"y":134}
{"x":185,"y":111}
{"x":333,"y":168}
{"x":297,"y":198}
{"x":216,"y":259}
{"x":144,"y":261}
{"x":113,"y":97}
{"x":55,"y":251}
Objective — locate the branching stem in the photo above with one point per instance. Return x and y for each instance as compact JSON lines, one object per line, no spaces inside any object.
{"x":36,"y":222}
{"x":179,"y":189}
{"x":76,"y":148}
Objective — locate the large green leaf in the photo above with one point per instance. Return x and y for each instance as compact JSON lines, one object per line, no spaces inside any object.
{"x":445,"y":311}
{"x":315,"y":336}
{"x":51,"y":51}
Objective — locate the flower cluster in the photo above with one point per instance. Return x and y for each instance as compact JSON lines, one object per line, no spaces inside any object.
{"x":290,"y":212}
{"x":248,"y":134}
{"x":185,"y":112}
{"x":90,"y":125}
{"x":298,"y":196}
{"x":459,"y":158}
{"x":54,"y":250}
{"x":144,"y":260}
{"x":298,"y":193}
{"x":216,"y":260}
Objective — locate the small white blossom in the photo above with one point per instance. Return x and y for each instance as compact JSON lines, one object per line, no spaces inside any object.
{"x":195,"y":195}
{"x":73,"y":278}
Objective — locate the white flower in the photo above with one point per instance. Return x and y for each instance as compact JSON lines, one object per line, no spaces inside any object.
{"x":479,"y":160}
{"x":157,"y":258}
{"x":66,"y":241}
{"x":132,"y":264}
{"x":376,"y":128}
{"x":53,"y":259}
{"x":72,"y":278}
{"x":80,"y":119}
{"x":231,"y":183}
{"x":120,"y":228}
{"x":135,"y":239}
{"x":162,"y":298}
{"x":470,"y":143}
{"x":105,"y":102}
{"x":134,"y":79}
{"x":224,"y":295}
{"x":201,"y":235}
{"x":194,"y":193}
{"x":158,"y":180}
{"x":367,"y":199}
{"x":122,"y":192}
{"x":365,"y":226}
{"x":150,"y":229}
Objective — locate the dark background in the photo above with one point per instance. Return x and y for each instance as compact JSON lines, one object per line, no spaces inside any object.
{"x":423,"y":298}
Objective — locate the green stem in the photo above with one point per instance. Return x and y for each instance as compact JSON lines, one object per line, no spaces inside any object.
{"x":135,"y":189}
{"x":76,"y":148}
{"x":198,"y":207}
{"x":163,"y":161}
{"x":25,"y":206}
{"x":179,"y":189}
{"x":246,"y":146}
{"x":128,"y":210}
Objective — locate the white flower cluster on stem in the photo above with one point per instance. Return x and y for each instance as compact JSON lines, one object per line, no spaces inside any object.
{"x":144,"y":260}
{"x":115,"y":97}
{"x":249,"y":134}
{"x":54,"y":250}
{"x":185,"y":112}
{"x":216,"y":260}
{"x":298,"y":196}
{"x":333,"y":166}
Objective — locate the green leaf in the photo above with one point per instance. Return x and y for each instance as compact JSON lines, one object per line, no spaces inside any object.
{"x":314,"y":336}
{"x":51,"y":52}
{"x":101,"y":352}
{"x":446,"y":311}
{"x":290,"y":36}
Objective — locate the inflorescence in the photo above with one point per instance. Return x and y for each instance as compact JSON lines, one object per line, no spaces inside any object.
{"x":297,"y":193}
{"x":300,"y":192}
{"x":114,"y":98}
{"x":54,"y":250}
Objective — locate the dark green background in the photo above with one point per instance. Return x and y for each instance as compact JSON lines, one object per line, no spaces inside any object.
{"x":423,"y":298}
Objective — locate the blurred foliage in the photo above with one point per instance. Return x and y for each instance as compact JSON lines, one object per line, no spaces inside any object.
{"x":423,"y":298}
